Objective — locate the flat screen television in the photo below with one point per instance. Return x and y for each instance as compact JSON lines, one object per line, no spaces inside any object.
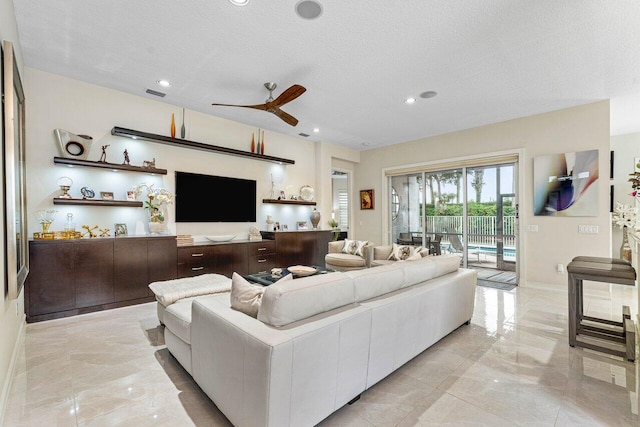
{"x":209,"y":198}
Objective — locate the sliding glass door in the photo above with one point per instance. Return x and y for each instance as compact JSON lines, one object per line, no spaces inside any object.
{"x":471,"y":211}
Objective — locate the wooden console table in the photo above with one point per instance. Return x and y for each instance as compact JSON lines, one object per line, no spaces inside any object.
{"x":77,"y":276}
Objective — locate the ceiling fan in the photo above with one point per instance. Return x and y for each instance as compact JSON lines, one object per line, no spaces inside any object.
{"x":273,"y":105}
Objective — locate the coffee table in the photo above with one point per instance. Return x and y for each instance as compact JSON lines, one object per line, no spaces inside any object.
{"x":267,"y":279}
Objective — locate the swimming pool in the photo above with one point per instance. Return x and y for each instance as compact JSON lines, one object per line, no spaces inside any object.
{"x":508,"y":252}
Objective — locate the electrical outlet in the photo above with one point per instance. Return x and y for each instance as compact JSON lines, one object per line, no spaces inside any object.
{"x":588,"y":229}
{"x":531,"y":228}
{"x":560,"y":268}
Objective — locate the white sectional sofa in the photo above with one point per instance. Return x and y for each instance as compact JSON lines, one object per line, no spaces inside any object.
{"x":319,"y":341}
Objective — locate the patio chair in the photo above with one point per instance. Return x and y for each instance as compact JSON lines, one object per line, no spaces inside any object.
{"x":405,"y":239}
{"x":456,"y":245}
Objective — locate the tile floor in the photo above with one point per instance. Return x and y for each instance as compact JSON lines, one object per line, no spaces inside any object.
{"x":511,"y":366}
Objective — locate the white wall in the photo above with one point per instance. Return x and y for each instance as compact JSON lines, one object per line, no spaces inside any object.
{"x":574,"y":129}
{"x":11,"y":311}
{"x":626,"y":148}
{"x":59,"y":102}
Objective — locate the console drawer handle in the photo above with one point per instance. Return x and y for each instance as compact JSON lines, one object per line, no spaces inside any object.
{"x":262,"y":249}
{"x":197,"y":254}
{"x":262,"y":260}
{"x":197,"y":268}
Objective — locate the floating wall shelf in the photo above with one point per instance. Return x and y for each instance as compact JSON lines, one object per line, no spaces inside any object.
{"x":97,"y":202}
{"x":184,"y":143}
{"x":289,"y":202}
{"x":105,"y":165}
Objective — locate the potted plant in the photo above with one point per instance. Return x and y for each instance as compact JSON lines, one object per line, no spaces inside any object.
{"x":334,"y":226}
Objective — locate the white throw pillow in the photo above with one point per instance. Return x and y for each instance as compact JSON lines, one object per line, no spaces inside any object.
{"x":415,"y":256}
{"x":402,"y":252}
{"x":247,"y":297}
{"x":354,"y":247}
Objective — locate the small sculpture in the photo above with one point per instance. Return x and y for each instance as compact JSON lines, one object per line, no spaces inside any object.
{"x":126,"y":157}
{"x":90,"y":232}
{"x":87,"y":193}
{"x":104,"y":232}
{"x":103,"y":157}
{"x":149,"y":163}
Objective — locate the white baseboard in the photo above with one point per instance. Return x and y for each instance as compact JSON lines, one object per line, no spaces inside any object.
{"x":6,"y":387}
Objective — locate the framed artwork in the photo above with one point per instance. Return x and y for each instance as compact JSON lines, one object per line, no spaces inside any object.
{"x":106,"y":195}
{"x":17,"y":254}
{"x":565,"y":184}
{"x":367,"y":200}
{"x":131,"y":195}
{"x":302,"y":225}
{"x":120,"y":230}
{"x":277,"y":226}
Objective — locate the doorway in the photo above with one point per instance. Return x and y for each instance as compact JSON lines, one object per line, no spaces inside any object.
{"x":470,"y":211}
{"x":341,"y":206}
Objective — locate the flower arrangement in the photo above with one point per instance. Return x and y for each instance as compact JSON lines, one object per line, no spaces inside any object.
{"x":333,"y":223}
{"x":624,"y":215}
{"x":157,"y":197}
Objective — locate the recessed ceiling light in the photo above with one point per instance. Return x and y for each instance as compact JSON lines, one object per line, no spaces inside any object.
{"x":428,"y":94}
{"x":365,"y":144}
{"x":308,"y":9}
{"x":409,"y":100}
{"x":316,"y":130}
{"x":164,"y":83}
{"x":239,"y":2}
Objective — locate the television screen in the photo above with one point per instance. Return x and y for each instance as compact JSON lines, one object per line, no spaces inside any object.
{"x":208,"y":198}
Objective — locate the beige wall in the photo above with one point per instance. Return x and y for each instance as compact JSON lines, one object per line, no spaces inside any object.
{"x":557,"y":241}
{"x":11,"y":311}
{"x":81,"y":108}
{"x":626,"y":149}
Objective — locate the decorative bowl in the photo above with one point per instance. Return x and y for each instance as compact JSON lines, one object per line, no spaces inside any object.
{"x":221,"y":238}
{"x":307,"y":193}
{"x":301,"y":270}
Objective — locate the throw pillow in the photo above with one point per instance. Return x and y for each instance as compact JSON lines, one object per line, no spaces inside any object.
{"x":247,"y":297}
{"x":402,"y":252}
{"x":354,"y":247}
{"x":415,"y":256}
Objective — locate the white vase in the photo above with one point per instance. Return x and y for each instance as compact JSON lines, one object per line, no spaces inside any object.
{"x":314,"y":218}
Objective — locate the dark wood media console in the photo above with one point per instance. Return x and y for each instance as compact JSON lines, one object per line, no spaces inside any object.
{"x":69,"y":277}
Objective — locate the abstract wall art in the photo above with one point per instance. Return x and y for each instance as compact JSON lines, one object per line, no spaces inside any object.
{"x":565,"y":184}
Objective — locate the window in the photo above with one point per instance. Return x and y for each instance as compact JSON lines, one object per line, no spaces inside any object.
{"x":343,"y":206}
{"x":395,"y":204}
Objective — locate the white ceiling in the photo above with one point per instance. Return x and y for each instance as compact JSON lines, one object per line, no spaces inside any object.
{"x":489,"y":60}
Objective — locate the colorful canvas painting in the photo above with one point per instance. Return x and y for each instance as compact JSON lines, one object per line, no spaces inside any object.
{"x":566,"y":184}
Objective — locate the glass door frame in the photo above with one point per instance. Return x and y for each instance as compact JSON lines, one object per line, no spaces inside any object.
{"x":465,"y":237}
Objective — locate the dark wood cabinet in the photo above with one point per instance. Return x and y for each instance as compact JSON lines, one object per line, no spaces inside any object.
{"x":242,"y":257}
{"x":93,"y":273}
{"x":69,"y":277}
{"x":307,"y":247}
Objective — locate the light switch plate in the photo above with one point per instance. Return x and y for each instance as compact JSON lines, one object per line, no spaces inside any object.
{"x":532,"y":228}
{"x":588,"y":229}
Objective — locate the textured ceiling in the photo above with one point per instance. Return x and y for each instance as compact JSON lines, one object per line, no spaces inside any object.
{"x":488,"y":60}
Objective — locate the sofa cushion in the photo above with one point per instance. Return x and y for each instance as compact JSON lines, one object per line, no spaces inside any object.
{"x":373,"y":282}
{"x":345,"y":260}
{"x":428,"y":268}
{"x":287,"y":302}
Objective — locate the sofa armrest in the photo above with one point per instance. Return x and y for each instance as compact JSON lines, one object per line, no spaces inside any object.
{"x":336,"y":247}
{"x":382,"y":252}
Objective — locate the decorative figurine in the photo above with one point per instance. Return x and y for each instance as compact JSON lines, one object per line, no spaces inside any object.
{"x":103,"y":157}
{"x":104,"y":232}
{"x":126,"y":157}
{"x":87,"y":193}
{"x":149,"y":163}
{"x":90,"y":232}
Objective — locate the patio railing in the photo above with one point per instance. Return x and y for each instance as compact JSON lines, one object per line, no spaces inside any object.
{"x":481,"y":229}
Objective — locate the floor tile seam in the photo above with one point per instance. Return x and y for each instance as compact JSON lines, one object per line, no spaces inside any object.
{"x":478,"y":407}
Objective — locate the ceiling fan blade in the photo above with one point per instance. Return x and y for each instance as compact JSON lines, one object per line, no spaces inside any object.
{"x":288,"y":118}
{"x":290,"y":94}
{"x":256,"y":107}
